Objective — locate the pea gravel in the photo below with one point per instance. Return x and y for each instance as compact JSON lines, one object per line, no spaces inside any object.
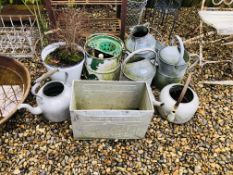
{"x":31,"y":145}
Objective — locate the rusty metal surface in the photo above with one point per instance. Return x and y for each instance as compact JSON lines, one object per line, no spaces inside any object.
{"x":105,"y":24}
{"x":90,"y":25}
{"x":123,"y":18}
{"x":51,"y":14}
{"x":86,"y":2}
{"x":9,"y":88}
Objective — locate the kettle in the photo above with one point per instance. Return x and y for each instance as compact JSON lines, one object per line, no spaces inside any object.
{"x":138,"y":68}
{"x":177,"y":103}
{"x":52,"y":99}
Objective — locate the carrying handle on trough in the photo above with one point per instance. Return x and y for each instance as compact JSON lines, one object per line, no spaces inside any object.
{"x":152,"y":97}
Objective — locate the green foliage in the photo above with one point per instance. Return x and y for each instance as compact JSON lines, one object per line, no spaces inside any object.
{"x":19,"y":1}
{"x":31,"y":1}
{"x":24,"y":1}
{"x":64,"y":57}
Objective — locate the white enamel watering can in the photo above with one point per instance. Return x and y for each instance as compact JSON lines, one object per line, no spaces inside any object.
{"x":177,"y":103}
{"x":52,"y":99}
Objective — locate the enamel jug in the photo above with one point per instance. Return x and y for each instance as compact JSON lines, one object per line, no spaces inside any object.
{"x":52,"y":99}
{"x":140,"y":38}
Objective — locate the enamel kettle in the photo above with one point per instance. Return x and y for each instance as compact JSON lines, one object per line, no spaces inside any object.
{"x":177,"y":103}
{"x":52,"y":99}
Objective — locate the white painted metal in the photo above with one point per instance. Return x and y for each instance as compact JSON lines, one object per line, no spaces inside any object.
{"x":18,"y":39}
{"x":222,"y":21}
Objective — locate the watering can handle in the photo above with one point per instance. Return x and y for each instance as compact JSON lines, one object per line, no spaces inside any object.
{"x":38,"y":80}
{"x":134,"y":53}
{"x":43,"y":77}
{"x":181,"y":44}
{"x":147,"y":24}
{"x":46,"y":75}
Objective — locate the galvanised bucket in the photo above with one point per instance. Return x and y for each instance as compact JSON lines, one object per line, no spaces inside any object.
{"x":104,"y":53}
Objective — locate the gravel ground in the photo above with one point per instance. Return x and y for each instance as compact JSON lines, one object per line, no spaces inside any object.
{"x":31,"y":145}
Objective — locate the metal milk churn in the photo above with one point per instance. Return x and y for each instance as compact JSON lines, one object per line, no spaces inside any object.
{"x":171,"y":65}
{"x":138,"y":68}
{"x":140,"y":38}
{"x":104,"y":54}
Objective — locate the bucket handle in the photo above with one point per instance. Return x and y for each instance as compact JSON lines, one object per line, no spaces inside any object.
{"x":171,"y":115}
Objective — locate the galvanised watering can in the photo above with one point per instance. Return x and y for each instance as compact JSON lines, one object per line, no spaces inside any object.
{"x":52,"y":99}
{"x":137,"y":67}
{"x":171,"y":60}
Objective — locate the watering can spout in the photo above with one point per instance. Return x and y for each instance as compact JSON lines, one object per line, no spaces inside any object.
{"x":171,"y":117}
{"x":157,"y":103}
{"x":153,"y":100}
{"x":34,"y":110}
